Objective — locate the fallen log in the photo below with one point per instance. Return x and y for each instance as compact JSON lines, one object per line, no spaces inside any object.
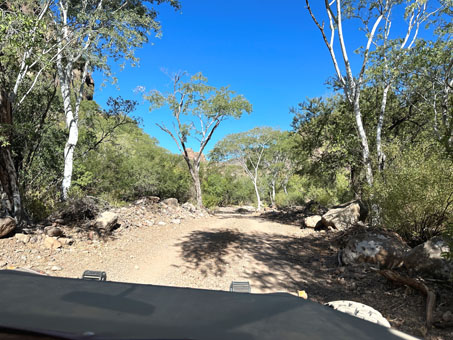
{"x":418,"y":285}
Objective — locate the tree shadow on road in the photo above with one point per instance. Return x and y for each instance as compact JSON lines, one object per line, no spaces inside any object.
{"x":279,"y":263}
{"x":288,"y":264}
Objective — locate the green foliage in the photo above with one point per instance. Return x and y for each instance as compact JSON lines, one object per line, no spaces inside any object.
{"x":292,"y":198}
{"x":224,"y":185}
{"x":415,"y":193}
{"x":305,"y":188}
{"x":131,"y":165}
{"x":198,"y":109}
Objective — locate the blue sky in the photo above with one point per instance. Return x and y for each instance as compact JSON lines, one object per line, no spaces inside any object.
{"x":269,"y":51}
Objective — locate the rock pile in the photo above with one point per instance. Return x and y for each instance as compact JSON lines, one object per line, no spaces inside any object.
{"x":340,"y":217}
{"x":41,"y":243}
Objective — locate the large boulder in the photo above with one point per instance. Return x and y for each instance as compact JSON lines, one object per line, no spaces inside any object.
{"x":171,"y":202}
{"x":359,"y":310}
{"x":385,"y":249}
{"x":342,"y":217}
{"x":312,"y":221}
{"x":106,"y":221}
{"x":7,"y":225}
{"x":427,"y":258}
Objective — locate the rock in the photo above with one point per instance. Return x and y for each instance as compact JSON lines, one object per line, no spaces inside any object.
{"x":140,"y":201}
{"x":3,"y":264}
{"x":245,"y":209}
{"x":22,"y":238}
{"x":66,"y":240}
{"x":7,"y":225}
{"x":312,"y":221}
{"x":189,"y":207}
{"x":107,"y":221}
{"x":55,"y":268}
{"x":343,"y":217}
{"x":161,"y":223}
{"x":53,"y":231}
{"x":359,"y":310}
{"x":385,"y":249}
{"x":149,"y":222}
{"x":52,"y":243}
{"x":171,"y":202}
{"x":154,"y":199}
{"x":176,"y":221}
{"x":33,"y":239}
{"x":447,"y":316}
{"x":427,"y":258}
{"x":92,"y":235}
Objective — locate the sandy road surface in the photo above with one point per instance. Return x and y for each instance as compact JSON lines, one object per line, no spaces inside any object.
{"x":204,"y":253}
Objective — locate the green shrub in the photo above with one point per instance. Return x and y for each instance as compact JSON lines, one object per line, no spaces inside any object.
{"x":293,"y":198}
{"x":224,"y":186}
{"x":415,"y":193}
{"x":307,"y":188}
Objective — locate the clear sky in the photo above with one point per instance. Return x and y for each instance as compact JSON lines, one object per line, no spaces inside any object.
{"x":268,"y":50}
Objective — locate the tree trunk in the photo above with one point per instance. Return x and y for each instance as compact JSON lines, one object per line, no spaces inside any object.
{"x":363,"y":139}
{"x":195,"y":172}
{"x":380,"y":153}
{"x":273,"y":194}
{"x":71,"y":124}
{"x":258,"y":198}
{"x":8,"y":175}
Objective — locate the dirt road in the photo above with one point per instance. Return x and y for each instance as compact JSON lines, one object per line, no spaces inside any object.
{"x":204,"y":253}
{"x":210,"y":252}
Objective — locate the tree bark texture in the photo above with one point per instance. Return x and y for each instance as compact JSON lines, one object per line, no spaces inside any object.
{"x":71,"y":125}
{"x":258,"y":198}
{"x":363,"y":139}
{"x":8,"y":175}
{"x":380,"y":153}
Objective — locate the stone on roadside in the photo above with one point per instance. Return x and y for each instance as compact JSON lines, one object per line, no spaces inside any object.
{"x":245,"y":209}
{"x":342,"y":217}
{"x":92,"y":235}
{"x":66,"y":240}
{"x":53,"y":231}
{"x":312,"y":221}
{"x":447,"y":316}
{"x":359,"y":310}
{"x":153,"y":199}
{"x":106,"y":221}
{"x":3,"y":264}
{"x":7,"y":225}
{"x":176,"y":221}
{"x":385,"y":249}
{"x":427,"y":258}
{"x":149,"y":222}
{"x":161,"y":223}
{"x":22,"y":238}
{"x":55,"y":268}
{"x":171,"y":202}
{"x":189,"y":207}
{"x":52,"y":243}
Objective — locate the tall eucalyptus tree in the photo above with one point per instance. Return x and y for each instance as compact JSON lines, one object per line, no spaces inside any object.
{"x":90,"y":34}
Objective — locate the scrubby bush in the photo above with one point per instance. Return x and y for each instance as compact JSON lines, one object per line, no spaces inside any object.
{"x":226,"y":185}
{"x":292,"y":198}
{"x":306,"y":188}
{"x":415,"y":193}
